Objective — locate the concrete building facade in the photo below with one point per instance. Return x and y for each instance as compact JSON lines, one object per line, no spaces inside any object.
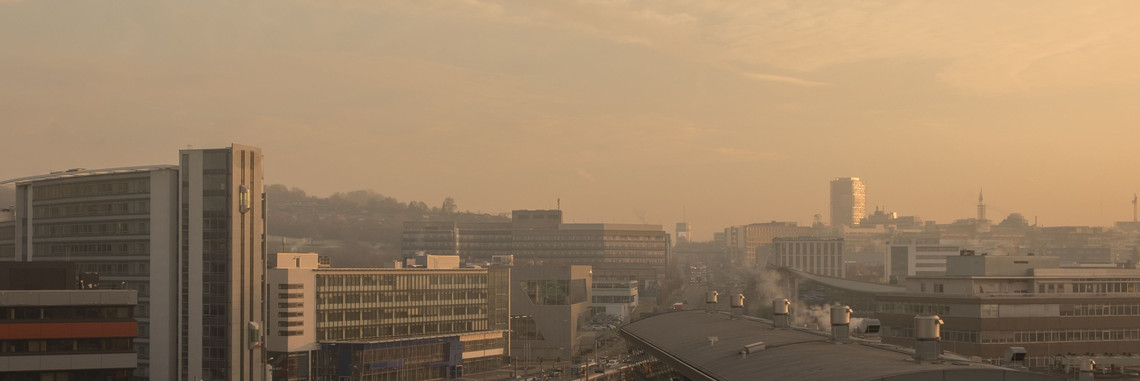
{"x":67,"y":335}
{"x":822,"y":256}
{"x":432,"y":322}
{"x":221,"y":274}
{"x":548,"y":305}
{"x":121,"y":223}
{"x":990,"y":303}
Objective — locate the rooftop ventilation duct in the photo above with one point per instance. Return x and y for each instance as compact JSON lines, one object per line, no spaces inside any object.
{"x":780,"y":313}
{"x":927,"y":345}
{"x":840,"y":323}
{"x":710,"y":301}
{"x":1087,"y":368}
{"x":737,"y":305}
{"x":869,"y":327}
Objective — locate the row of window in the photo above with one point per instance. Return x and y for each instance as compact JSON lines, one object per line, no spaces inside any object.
{"x":330,"y":300}
{"x":89,"y":229}
{"x":58,"y":346}
{"x":86,"y":209}
{"x":331,"y":318}
{"x":93,"y":188}
{"x":400,"y":330}
{"x":101,"y":313}
{"x":400,"y":281}
{"x":1026,"y":336}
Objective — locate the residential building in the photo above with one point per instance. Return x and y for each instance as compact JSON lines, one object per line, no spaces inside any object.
{"x":221,"y":264}
{"x":848,"y":201}
{"x":990,"y":303}
{"x":418,"y":323}
{"x":121,"y":223}
{"x":815,"y":255}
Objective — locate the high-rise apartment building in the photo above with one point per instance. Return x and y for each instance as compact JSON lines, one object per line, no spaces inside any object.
{"x":848,"y":201}
{"x":120,"y":223}
{"x":222,"y":264}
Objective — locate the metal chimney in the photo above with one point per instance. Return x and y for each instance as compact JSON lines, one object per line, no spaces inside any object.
{"x":780,"y":313}
{"x":737,"y":305}
{"x":840,"y":323}
{"x":928,"y":339}
{"x":710,"y":301}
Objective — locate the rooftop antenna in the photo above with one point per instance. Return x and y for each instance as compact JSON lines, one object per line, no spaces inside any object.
{"x":1133,"y":207}
{"x":559,"y":203}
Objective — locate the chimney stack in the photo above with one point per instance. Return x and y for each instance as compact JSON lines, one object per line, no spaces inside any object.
{"x":840,"y":323}
{"x":928,"y":338}
{"x":780,"y":313}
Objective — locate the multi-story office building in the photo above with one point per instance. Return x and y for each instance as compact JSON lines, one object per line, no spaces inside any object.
{"x":918,"y":257}
{"x":548,"y":303}
{"x":822,"y":256}
{"x":67,"y":335}
{"x":120,"y":223}
{"x":750,"y":245}
{"x":848,"y":201}
{"x":684,"y":232}
{"x":478,"y":241}
{"x":990,"y":303}
{"x":391,"y":324}
{"x":615,"y":251}
{"x":222,"y":264}
{"x":614,"y":298}
{"x":52,"y":329}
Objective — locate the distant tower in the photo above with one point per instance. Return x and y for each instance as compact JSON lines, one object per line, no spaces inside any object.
{"x":981,"y":207}
{"x":1133,"y":207}
{"x":848,"y":201}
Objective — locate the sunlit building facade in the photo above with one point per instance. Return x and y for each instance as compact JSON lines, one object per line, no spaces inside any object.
{"x":990,"y":303}
{"x":848,"y":201}
{"x":120,"y":223}
{"x":821,"y":256}
{"x":385,"y":324}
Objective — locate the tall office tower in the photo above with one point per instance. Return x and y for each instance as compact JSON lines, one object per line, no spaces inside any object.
{"x":221,"y":274}
{"x":848,"y":201}
{"x":684,"y":232}
{"x":120,"y":223}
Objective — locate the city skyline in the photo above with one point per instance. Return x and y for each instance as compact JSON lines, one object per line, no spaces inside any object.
{"x":624,"y":111}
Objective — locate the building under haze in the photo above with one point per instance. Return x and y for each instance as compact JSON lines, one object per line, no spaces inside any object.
{"x":433,"y":322}
{"x":815,"y":255}
{"x":749,"y":245}
{"x":990,"y":303}
{"x":848,"y":201}
{"x":615,"y":251}
{"x":919,"y":256}
{"x":221,"y":277}
{"x":121,"y":223}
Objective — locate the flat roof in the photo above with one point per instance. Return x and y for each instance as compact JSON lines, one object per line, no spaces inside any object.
{"x":88,"y":172}
{"x":681,"y":339}
{"x":847,"y":284}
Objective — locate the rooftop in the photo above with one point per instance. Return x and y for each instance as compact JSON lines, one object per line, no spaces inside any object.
{"x":78,"y":172}
{"x":790,"y":354}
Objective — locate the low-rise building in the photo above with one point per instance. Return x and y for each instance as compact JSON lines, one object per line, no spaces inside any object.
{"x":816,"y":255}
{"x":990,"y":303}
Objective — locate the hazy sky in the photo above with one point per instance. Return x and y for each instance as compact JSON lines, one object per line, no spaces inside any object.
{"x":738,"y":111}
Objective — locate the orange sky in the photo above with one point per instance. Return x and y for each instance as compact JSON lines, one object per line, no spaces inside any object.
{"x":737,"y":112}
